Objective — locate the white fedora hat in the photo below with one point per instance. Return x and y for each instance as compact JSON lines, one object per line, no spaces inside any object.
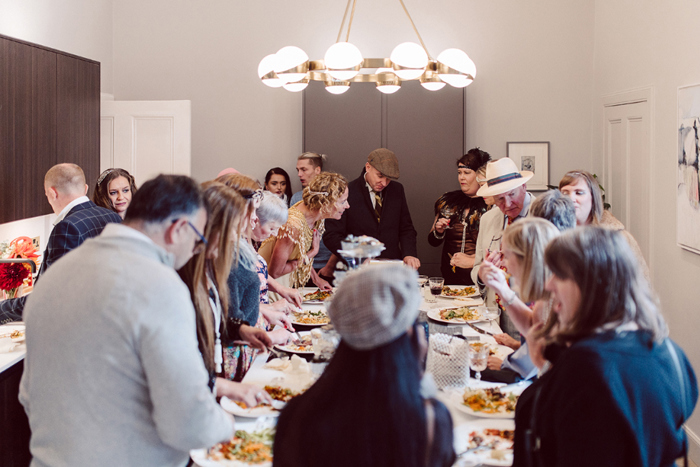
{"x":502,"y":175}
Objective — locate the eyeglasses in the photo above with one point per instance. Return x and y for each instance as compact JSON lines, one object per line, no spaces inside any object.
{"x":257,"y":195}
{"x":201,"y":243}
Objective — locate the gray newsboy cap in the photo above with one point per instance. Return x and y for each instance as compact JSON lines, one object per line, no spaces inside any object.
{"x":375,"y":305}
{"x":385,"y":161}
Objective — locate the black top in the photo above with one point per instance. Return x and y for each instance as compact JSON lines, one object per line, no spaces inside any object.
{"x":465,"y":214}
{"x":395,"y":229}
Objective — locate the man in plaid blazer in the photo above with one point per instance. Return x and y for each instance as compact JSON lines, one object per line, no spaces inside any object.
{"x":78,"y":219}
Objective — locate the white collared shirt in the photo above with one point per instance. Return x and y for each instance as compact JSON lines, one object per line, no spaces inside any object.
{"x":71,"y":205}
{"x":371,"y":193}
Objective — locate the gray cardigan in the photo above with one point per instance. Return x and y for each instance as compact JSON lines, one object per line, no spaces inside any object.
{"x":113,"y":373}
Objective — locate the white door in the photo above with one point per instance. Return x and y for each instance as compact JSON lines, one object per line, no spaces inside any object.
{"x":146,"y":138}
{"x":628,"y":164}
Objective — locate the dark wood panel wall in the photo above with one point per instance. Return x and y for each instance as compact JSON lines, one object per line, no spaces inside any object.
{"x":49,"y":113}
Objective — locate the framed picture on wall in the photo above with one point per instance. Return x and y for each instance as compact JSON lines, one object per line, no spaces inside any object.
{"x":687,"y":194}
{"x":532,"y":156}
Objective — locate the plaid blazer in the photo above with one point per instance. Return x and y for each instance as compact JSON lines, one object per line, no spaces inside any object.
{"x":86,"y":220}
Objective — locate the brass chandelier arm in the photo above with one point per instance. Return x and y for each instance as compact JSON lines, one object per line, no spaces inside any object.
{"x":340,"y":32}
{"x":416,"y":29}
{"x":317,"y":70}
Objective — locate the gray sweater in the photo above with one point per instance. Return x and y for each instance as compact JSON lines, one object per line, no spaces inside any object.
{"x":113,"y":373}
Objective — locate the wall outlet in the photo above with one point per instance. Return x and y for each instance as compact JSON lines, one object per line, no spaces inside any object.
{"x":35,"y":242}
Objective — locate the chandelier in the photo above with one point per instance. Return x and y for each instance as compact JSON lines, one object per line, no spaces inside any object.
{"x":343,"y":64}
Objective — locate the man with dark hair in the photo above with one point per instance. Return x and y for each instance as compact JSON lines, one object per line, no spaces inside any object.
{"x":78,"y":219}
{"x":113,"y":370}
{"x":378,"y":208}
{"x":556,"y":208}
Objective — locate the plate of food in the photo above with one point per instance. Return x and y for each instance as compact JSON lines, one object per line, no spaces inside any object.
{"x":303,"y":347}
{"x":457,"y":315}
{"x":459,"y":291}
{"x":244,"y":449}
{"x":317,"y":296}
{"x":490,"y":440}
{"x":14,"y":332}
{"x":487,"y":402}
{"x":240,"y":409}
{"x":310,"y":318}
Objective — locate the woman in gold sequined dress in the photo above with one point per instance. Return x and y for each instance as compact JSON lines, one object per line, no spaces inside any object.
{"x":290,"y":254}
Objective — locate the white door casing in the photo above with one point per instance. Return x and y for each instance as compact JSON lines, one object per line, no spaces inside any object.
{"x":146,"y":138}
{"x":628,"y":164}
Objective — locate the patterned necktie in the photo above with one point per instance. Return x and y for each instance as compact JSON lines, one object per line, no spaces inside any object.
{"x":378,"y":204}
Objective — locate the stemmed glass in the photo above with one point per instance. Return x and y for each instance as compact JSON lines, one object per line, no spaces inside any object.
{"x":447,"y":212}
{"x":491,"y":313}
{"x":478,"y":358}
{"x":436,"y":284}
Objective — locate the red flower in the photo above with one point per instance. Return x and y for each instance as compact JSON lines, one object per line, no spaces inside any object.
{"x":12,"y":275}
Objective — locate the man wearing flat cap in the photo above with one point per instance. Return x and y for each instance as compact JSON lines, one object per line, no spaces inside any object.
{"x":378,"y":208}
{"x":507,"y":186}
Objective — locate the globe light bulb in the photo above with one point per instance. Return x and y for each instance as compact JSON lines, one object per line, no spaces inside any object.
{"x":343,"y":61}
{"x":387,"y":81}
{"x":296,"y":86}
{"x":460,"y":62}
{"x":292,"y":64}
{"x":409,"y":60}
{"x":266,"y":71}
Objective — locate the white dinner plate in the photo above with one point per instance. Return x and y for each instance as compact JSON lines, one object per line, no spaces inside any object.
{"x":458,"y":402}
{"x":292,"y":317}
{"x":289,"y":348}
{"x":461,"y":287}
{"x":461,"y":436}
{"x":435,"y":315}
{"x":501,"y":351}
{"x":8,"y":329}
{"x":251,"y":412}
{"x":199,"y":456}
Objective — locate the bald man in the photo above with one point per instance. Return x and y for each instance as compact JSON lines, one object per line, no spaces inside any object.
{"x":78,"y":219}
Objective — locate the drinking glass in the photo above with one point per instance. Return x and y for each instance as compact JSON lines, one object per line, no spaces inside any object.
{"x":491,"y":313}
{"x":478,"y":358}
{"x":448,"y":212}
{"x":436,"y":284}
{"x":422,"y":280}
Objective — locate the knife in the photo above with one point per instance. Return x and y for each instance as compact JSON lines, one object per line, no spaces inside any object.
{"x":479,"y":330}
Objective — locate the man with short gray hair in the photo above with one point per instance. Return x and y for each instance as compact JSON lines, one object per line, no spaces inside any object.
{"x":113,"y":373}
{"x":78,"y":219}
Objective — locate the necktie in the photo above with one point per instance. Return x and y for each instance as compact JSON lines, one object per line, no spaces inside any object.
{"x":378,"y":205}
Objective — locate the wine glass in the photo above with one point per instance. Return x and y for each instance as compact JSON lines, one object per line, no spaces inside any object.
{"x":491,"y":313}
{"x":478,"y":358}
{"x":436,"y":284}
{"x":447,"y":212}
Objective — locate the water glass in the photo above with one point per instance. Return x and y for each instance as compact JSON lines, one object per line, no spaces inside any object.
{"x":478,"y":358}
{"x":491,"y":313}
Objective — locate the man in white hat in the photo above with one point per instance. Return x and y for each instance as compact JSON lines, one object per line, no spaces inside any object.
{"x":507,"y":186}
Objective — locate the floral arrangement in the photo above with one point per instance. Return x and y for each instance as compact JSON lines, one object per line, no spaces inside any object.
{"x":13,"y":275}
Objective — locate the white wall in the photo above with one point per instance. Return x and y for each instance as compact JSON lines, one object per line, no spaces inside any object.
{"x":533,"y":61}
{"x":642,"y":43}
{"x":79,"y":27}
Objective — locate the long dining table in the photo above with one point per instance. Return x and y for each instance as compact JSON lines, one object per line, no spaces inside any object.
{"x":262,"y":373}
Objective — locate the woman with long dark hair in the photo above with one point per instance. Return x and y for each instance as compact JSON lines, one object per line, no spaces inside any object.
{"x":457,"y":217}
{"x":619,"y":390}
{"x":114,"y":189}
{"x":277,"y":181}
{"x":366,"y":409}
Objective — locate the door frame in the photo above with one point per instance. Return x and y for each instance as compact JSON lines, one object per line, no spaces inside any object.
{"x":633,"y":96}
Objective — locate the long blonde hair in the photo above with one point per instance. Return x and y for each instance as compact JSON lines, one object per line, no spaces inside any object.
{"x":527,"y":239}
{"x":226,"y":213}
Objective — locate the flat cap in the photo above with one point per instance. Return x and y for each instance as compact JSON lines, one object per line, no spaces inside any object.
{"x":385,"y":161}
{"x":375,"y":305}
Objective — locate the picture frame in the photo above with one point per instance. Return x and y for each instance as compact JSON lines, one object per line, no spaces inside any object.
{"x":532,"y":156}
{"x":686,"y":160}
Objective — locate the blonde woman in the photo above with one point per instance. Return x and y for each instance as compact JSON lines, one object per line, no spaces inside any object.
{"x":290,"y":254}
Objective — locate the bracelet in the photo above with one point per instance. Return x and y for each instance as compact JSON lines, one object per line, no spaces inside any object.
{"x":512,"y":299}
{"x":436,"y":235}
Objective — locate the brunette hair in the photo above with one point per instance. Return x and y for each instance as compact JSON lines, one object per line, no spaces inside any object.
{"x":613,"y":288}
{"x":246,"y":187}
{"x":324,"y":190}
{"x":527,"y":239}
{"x":280,"y":171}
{"x":596,"y":196}
{"x":475,"y":159}
{"x":101,"y":194}
{"x":226,"y":211}
{"x":314,"y":158}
